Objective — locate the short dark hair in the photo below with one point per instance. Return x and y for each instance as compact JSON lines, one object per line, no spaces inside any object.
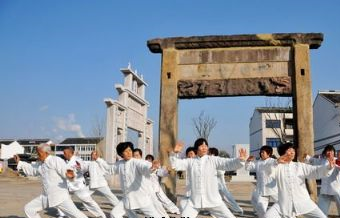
{"x":213,"y":151}
{"x":71,"y":148}
{"x":190,"y":149}
{"x":200,"y":142}
{"x":267,"y":149}
{"x":149,"y":156}
{"x":122,"y":146}
{"x":328,"y":148}
{"x":284,"y":147}
{"x":139,"y":151}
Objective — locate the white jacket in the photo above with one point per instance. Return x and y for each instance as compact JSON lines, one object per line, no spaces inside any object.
{"x":133,"y":181}
{"x":53,"y":177}
{"x":78,"y":183}
{"x":265,"y":184}
{"x":154,"y":178}
{"x":97,"y":175}
{"x":202,"y":177}
{"x":292,"y":191}
{"x":330,"y":185}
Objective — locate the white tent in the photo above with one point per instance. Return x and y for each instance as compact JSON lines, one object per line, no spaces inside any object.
{"x":7,"y":151}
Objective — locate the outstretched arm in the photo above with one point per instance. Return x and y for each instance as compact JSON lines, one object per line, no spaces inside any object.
{"x":317,"y":172}
{"x":28,"y":169}
{"x":250,"y":164}
{"x":177,"y":163}
{"x":109,"y":168}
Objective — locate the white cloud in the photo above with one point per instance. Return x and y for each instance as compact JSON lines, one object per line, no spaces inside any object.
{"x":43,"y":108}
{"x":68,"y":124}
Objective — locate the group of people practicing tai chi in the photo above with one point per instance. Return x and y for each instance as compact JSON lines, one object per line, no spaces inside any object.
{"x":282,"y":180}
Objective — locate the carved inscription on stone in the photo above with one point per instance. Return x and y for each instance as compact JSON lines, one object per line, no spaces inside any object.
{"x":271,"y":86}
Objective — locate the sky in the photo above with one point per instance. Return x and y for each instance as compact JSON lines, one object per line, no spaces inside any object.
{"x":60,"y":59}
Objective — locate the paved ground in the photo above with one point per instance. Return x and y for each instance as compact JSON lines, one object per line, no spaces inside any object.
{"x":17,"y":191}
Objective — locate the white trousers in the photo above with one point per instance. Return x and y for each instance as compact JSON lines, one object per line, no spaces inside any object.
{"x":221,"y":211}
{"x":275,"y":212}
{"x":84,"y":196}
{"x":261,"y":204}
{"x":230,"y":200}
{"x":166,"y":202}
{"x":158,"y":205}
{"x":149,"y":211}
{"x":325,"y":201}
{"x":67,"y":206}
{"x":106,"y":191}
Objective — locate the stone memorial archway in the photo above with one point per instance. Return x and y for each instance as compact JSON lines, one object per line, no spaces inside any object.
{"x":235,"y":65}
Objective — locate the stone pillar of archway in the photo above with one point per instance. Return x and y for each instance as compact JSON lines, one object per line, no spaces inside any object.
{"x":168,"y":115}
{"x":303,"y":108}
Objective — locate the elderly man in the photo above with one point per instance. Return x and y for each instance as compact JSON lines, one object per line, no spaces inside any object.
{"x":54,"y":173}
{"x":78,"y":185}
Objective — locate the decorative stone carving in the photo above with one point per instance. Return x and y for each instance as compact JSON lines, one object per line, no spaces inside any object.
{"x":278,"y":86}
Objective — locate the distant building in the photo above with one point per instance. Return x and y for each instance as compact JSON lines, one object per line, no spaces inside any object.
{"x":82,"y":146}
{"x":242,"y":175}
{"x":30,"y":145}
{"x":326,"y":110}
{"x":269,"y":126}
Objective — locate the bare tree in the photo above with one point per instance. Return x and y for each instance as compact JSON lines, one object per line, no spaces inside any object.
{"x":280,"y":109}
{"x":203,"y":125}
{"x":98,"y":127}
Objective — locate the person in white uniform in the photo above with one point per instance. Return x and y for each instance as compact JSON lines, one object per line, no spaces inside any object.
{"x":161,"y":196}
{"x":138,"y":154}
{"x":266,"y":188}
{"x":293,"y":197}
{"x":202,"y":177}
{"x":98,"y":182}
{"x":223,"y":189}
{"x":78,"y":185}
{"x":54,"y":173}
{"x":132,"y":173}
{"x":183,"y":201}
{"x":330,"y":185}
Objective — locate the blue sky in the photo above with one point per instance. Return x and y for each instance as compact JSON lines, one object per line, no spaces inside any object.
{"x":60,"y":59}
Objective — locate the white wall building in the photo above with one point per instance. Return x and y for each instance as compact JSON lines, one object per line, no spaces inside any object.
{"x":82,"y":146}
{"x":128,"y":113}
{"x":268,"y":125}
{"x":326,"y":110}
{"x":242,"y":175}
{"x":30,"y":145}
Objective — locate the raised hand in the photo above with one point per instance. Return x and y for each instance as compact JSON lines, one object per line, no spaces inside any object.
{"x":331,"y":161}
{"x":94,"y":155}
{"x":250,"y":158}
{"x":304,"y":155}
{"x":155,"y":165}
{"x":16,"y":158}
{"x":283,"y":159}
{"x":70,"y":174}
{"x":178,"y":147}
{"x":242,"y":154}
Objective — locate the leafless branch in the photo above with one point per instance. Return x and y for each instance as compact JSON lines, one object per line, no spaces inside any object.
{"x":203,"y":125}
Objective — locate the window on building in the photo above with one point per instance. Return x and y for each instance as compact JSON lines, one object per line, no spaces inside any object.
{"x":273,"y":123}
{"x":273,"y":142}
{"x":288,"y":123}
